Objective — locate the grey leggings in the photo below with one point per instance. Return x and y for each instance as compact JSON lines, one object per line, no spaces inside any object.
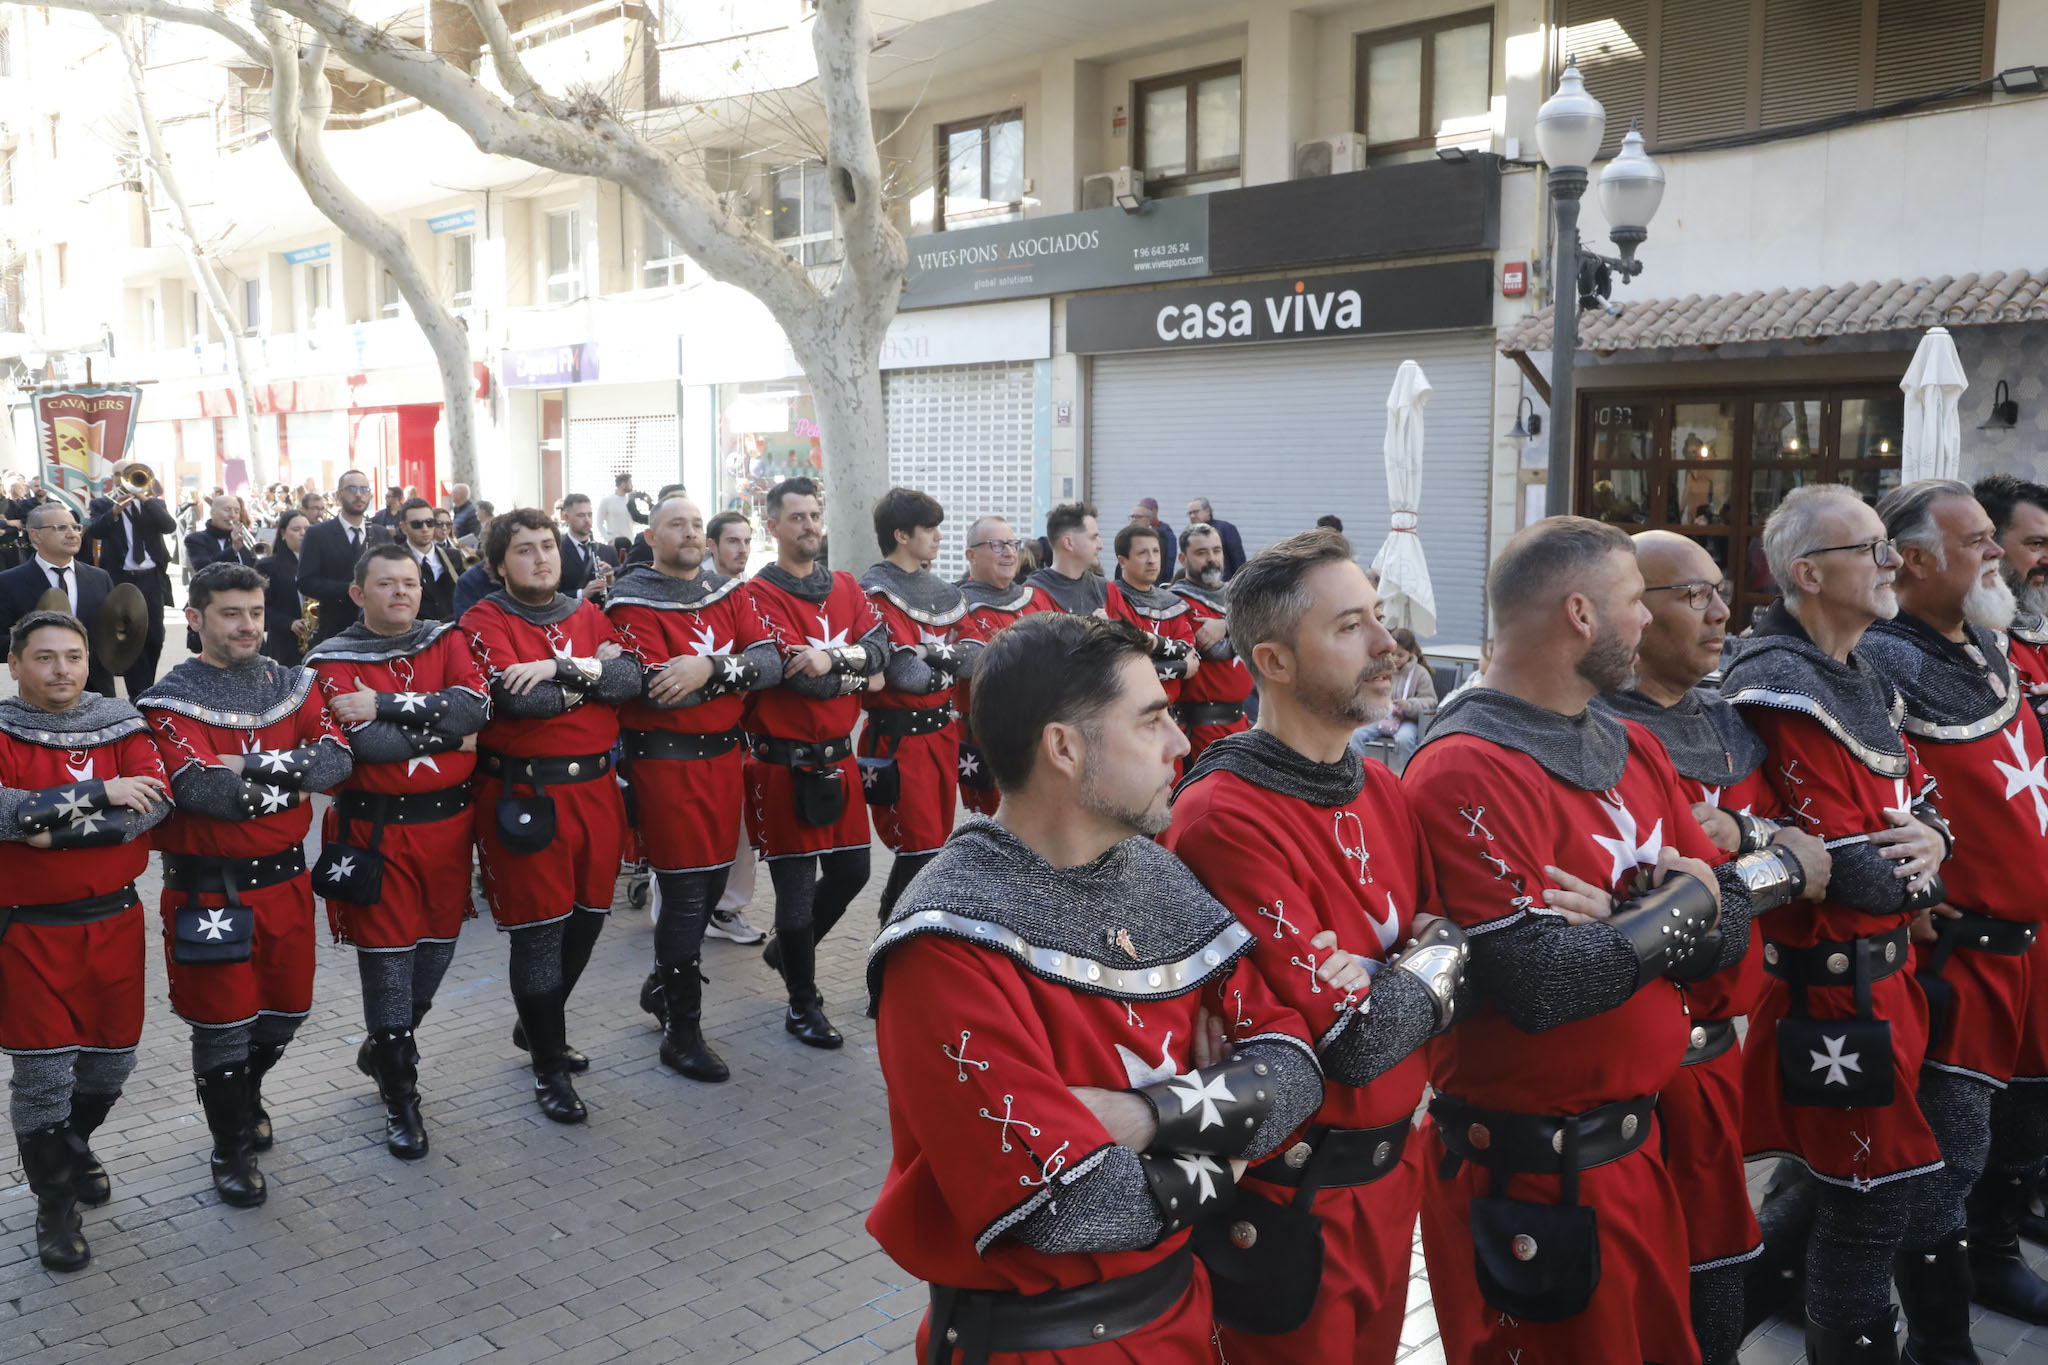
{"x":40,"y":1092}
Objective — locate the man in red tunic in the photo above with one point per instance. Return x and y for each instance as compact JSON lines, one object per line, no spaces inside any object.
{"x":995,"y":599}
{"x":2019,"y":510}
{"x":1969,"y":723}
{"x":397,"y":840}
{"x":1074,"y":578}
{"x":703,"y":648}
{"x":80,"y":787}
{"x":1831,"y":1064}
{"x":1138,"y":599}
{"x":910,"y":762}
{"x":1050,"y":999}
{"x":803,"y":785}
{"x":1546,"y":1173}
{"x":1211,"y":703}
{"x":246,"y":741}
{"x":1316,"y":852}
{"x":1719,"y":761}
{"x":550,"y":826}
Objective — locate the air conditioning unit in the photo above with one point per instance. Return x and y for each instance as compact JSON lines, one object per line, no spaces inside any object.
{"x":1331,"y":154}
{"x":1102,"y":191}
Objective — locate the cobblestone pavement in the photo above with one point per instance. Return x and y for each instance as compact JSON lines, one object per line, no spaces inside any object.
{"x":683,"y":1223}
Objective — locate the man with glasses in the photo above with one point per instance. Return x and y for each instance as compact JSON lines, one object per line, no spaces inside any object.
{"x":1835,"y":984}
{"x":1720,"y":766}
{"x":1966,"y":717}
{"x":328,"y":555}
{"x":1212,"y":703}
{"x":55,"y":536}
{"x":995,"y":599}
{"x":439,"y":567}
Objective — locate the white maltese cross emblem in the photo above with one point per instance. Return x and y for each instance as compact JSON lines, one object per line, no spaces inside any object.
{"x":215,"y":925}
{"x":1834,"y":1060}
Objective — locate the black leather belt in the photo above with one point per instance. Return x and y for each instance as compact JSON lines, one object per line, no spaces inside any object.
{"x":678,"y":744}
{"x":897,"y":722}
{"x":548,"y":771}
{"x":1710,"y":1038}
{"x":1189,"y":714}
{"x":1833,"y":961}
{"x":979,"y":1322}
{"x":1533,"y":1144}
{"x":84,"y":910}
{"x":222,"y":876}
{"x":1985,"y":934}
{"x":1338,"y":1158}
{"x":405,"y":808}
{"x":801,"y":753}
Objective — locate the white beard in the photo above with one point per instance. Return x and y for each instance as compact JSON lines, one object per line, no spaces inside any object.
{"x":1990,"y":606}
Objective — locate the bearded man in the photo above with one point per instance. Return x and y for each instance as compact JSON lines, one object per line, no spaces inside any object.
{"x":995,"y":599}
{"x":1211,"y":703}
{"x":2019,"y":511}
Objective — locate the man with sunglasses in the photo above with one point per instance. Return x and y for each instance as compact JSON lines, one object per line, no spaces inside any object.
{"x":1720,"y":766}
{"x":995,"y":599}
{"x":439,"y":565}
{"x":1836,"y":989}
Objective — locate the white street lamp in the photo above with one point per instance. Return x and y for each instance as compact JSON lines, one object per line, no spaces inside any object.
{"x":1631,"y":188}
{"x":1571,"y":123}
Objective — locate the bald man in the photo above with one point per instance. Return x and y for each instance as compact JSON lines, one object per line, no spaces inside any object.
{"x":1565,"y":847}
{"x":1719,"y":761}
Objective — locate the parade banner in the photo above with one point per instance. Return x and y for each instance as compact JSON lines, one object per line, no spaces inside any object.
{"x":80,"y":431}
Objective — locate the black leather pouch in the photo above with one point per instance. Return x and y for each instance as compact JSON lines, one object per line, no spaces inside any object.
{"x":817,"y":794}
{"x":1265,"y":1263}
{"x":974,"y":769}
{"x":210,"y":934}
{"x":1537,"y":1262}
{"x":349,"y":872}
{"x":1838,"y":1063}
{"x":526,"y":824}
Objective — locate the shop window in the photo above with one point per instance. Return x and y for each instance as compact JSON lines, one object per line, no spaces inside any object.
{"x":461,"y":269}
{"x":801,"y":213}
{"x":662,"y":255}
{"x":767,"y":432}
{"x":565,"y":257}
{"x":981,"y":171}
{"x":1424,"y":86}
{"x":1190,"y":131}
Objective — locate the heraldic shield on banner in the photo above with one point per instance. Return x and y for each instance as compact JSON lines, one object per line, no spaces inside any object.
{"x":81,"y":431}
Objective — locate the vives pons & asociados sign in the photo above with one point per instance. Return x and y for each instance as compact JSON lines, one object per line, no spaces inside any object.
{"x":1096,"y":249}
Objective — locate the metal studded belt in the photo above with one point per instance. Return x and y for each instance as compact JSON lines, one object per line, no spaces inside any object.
{"x":1984,"y":934}
{"x":545,"y":771}
{"x":1710,"y":1038}
{"x":898,"y":722}
{"x":222,"y":876}
{"x":1338,"y":1158}
{"x":801,"y":753}
{"x":978,"y":1323}
{"x":1189,"y":714}
{"x":85,"y":910}
{"x":1533,"y":1144}
{"x":1832,"y":962}
{"x":405,"y":808}
{"x":656,"y":744}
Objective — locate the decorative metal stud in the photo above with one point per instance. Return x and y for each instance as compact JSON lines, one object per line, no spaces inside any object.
{"x":1838,"y":963}
{"x":1524,"y":1247}
{"x":1699,"y":1037}
{"x":1381,"y":1153}
{"x":1478,"y":1136}
{"x":1298,"y":1155}
{"x":1243,"y":1235}
{"x":1629,"y":1124}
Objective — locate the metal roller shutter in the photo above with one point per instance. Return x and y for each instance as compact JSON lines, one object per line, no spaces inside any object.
{"x":601,"y":447}
{"x":964,"y":434}
{"x":1275,"y":436}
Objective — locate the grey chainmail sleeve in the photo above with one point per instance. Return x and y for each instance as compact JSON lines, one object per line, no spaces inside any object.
{"x":768,"y":659}
{"x":905,"y":672}
{"x":970,"y":654}
{"x":12,"y":799}
{"x":543,"y":701}
{"x":1737,"y":913}
{"x":1222,"y":649}
{"x":1395,"y":1018}
{"x":618,"y":680}
{"x":1297,"y":1087}
{"x":875,"y":644}
{"x":467,"y":713}
{"x":331,"y":764}
{"x":1104,"y":1204}
{"x":1540,"y":972}
{"x":386,"y":741}
{"x":213,"y":792}
{"x":1864,"y":879}
{"x":825,"y":688}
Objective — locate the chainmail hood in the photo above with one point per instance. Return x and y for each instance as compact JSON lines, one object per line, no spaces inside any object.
{"x":553,"y":614}
{"x":1154,"y":603}
{"x":1951,"y":697}
{"x":2029,"y":627}
{"x":1187,"y":587}
{"x":249,"y":696}
{"x":643,"y":585}
{"x":1588,"y":751}
{"x":1705,"y":736}
{"x":1264,"y":761}
{"x":1781,"y":667}
{"x":1078,"y":595}
{"x":1134,"y":924}
{"x":980,"y":594}
{"x":924,"y":596}
{"x":360,"y":644}
{"x":93,"y":720}
{"x":814,"y":586}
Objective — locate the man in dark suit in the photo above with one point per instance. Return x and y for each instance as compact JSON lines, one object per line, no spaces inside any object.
{"x":587,"y":563}
{"x":1233,"y":543}
{"x":439,"y":565}
{"x":220,"y":537}
{"x":327,"y":559}
{"x":55,"y":536}
{"x":129,"y":532}
{"x":467,"y":522}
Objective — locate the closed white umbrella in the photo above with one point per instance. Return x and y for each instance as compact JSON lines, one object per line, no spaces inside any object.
{"x":1933,"y":386}
{"x":1404,"y":572}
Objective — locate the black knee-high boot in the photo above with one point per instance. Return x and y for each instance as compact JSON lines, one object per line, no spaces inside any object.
{"x":1772,"y":1282}
{"x":2002,"y":1277}
{"x":397,"y":1067}
{"x":224,"y":1094}
{"x":1934,"y":1290}
{"x":262,"y":1057}
{"x":906,"y":866}
{"x":541,"y":1016}
{"x":88,"y":1112}
{"x":1874,"y":1343}
{"x":683,"y":1048}
{"x":49,"y":1162}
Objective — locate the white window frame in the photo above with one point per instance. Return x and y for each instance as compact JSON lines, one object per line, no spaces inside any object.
{"x":252,"y":307}
{"x":316,"y":292}
{"x":797,"y":243}
{"x":564,"y":285}
{"x":390,"y":303}
{"x":458,"y":295}
{"x":658,"y":272}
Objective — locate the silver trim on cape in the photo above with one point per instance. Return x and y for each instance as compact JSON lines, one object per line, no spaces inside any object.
{"x":922,"y":617}
{"x":1960,"y":734}
{"x":236,"y":720}
{"x":717,"y":594}
{"x":1158,"y":982}
{"x":1884,"y":765}
{"x":320,"y":653}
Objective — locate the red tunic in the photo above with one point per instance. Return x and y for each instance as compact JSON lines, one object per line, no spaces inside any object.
{"x":1177,"y":623}
{"x":1217,"y":680}
{"x":1834,"y":797}
{"x":425,"y":890}
{"x":689,"y":809}
{"x":2027,"y":647}
{"x":845,"y":617}
{"x":74,"y":985}
{"x":579,"y":868}
{"x":1289,"y":870}
{"x":278,"y":977}
{"x":977,"y":790}
{"x":928,"y":766}
{"x":1493,"y":819}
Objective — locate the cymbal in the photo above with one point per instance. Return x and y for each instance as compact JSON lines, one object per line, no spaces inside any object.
{"x":123,"y":624}
{"x":55,"y":599}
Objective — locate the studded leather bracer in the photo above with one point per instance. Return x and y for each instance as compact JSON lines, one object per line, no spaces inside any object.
{"x":1187,"y":1186}
{"x":286,"y":769}
{"x":258,"y":799}
{"x":1926,"y":814}
{"x":53,"y":807}
{"x":1668,"y":928}
{"x":1212,"y":1110}
{"x":412,"y":708}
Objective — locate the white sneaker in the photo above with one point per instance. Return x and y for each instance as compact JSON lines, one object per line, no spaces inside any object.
{"x":732,"y":926}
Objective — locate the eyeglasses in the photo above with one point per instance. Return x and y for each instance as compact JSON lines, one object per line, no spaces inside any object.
{"x":1880,"y":551}
{"x":1699,"y":592}
{"x":1001,"y":547}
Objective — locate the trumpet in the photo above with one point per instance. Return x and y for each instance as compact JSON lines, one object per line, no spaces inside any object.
{"x":308,"y":624}
{"x":134,"y":482}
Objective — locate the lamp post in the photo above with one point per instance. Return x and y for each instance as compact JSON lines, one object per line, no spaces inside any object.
{"x":1569,"y":128}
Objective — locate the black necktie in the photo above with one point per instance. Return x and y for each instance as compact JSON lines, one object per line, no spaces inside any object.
{"x":427,"y":568}
{"x":62,"y":585}
{"x":353,"y":542}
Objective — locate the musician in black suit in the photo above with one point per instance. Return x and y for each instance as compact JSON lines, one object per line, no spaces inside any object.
{"x":283,"y":609}
{"x":327,"y":557}
{"x":56,"y":536}
{"x":440,"y":565}
{"x":129,"y":532}
{"x":220,"y":538}
{"x":586,"y":561}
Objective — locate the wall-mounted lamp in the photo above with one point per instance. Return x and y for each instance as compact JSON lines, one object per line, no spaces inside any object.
{"x":2020,"y":80}
{"x":1130,"y":202}
{"x":1528,"y":421}
{"x":1452,"y":154}
{"x":2005,"y":411}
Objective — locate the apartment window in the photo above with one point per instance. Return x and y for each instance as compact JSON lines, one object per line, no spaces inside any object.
{"x":1426,"y":85}
{"x":1190,"y":132}
{"x":1691,"y":72}
{"x":55,"y":121}
{"x":661,"y":255}
{"x":565,"y":257}
{"x":152,"y":326}
{"x":252,"y":307}
{"x":62,"y":255}
{"x":389,"y":302}
{"x":6,"y":48}
{"x":981,"y":171}
{"x":319,"y":294}
{"x":195,"y":325}
{"x":6,"y":177}
{"x":802,"y":213}
{"x":462,"y":269}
